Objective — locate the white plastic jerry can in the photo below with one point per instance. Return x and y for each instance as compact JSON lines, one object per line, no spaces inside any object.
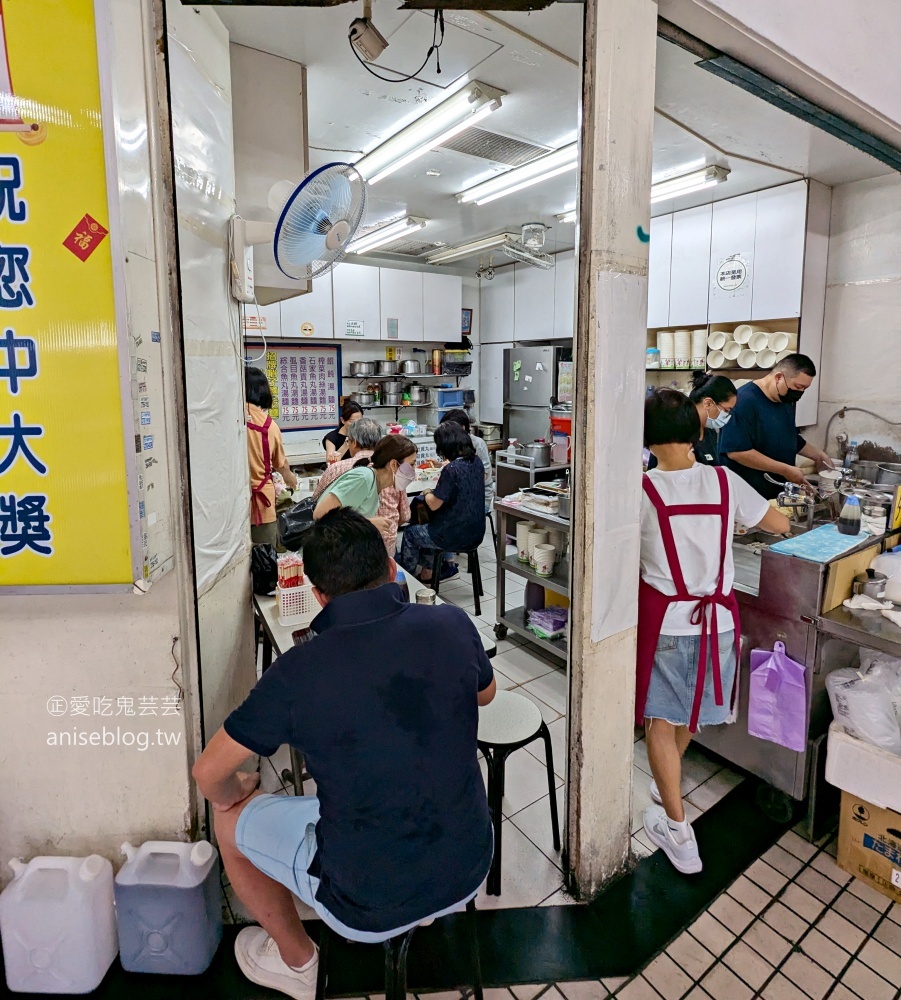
{"x":58,"y":924}
{"x":169,"y":907}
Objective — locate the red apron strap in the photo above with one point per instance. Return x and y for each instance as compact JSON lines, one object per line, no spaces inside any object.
{"x":666,"y":533}
{"x":258,"y":498}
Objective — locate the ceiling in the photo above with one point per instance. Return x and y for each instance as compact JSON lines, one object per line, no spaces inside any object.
{"x":534,"y":58}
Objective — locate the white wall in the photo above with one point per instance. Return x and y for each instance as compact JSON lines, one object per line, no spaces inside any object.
{"x":863,"y":312}
{"x":200,"y":82}
{"x":841,"y":55}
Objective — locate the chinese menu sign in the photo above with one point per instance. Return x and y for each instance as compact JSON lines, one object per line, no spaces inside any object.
{"x":306,"y":386}
{"x":64,"y":516}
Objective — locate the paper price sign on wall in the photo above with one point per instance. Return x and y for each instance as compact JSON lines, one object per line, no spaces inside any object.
{"x":306,"y":385}
{"x":353,"y":328}
{"x":64,"y":517}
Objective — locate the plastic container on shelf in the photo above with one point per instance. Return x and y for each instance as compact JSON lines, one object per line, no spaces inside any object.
{"x":449,"y":398}
{"x":58,"y":924}
{"x":561,"y":434}
{"x":888,"y":563}
{"x":168,"y":902}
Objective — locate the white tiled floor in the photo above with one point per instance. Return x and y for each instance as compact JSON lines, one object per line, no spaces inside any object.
{"x":519,"y":665}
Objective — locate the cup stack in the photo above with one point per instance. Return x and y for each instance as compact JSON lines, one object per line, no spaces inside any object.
{"x":545,"y":557}
{"x":666,"y":344}
{"x":682,"y":340}
{"x":537,"y":536}
{"x":522,"y":539}
{"x":698,"y":348}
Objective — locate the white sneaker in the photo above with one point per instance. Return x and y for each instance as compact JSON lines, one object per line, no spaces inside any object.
{"x":685,"y":857}
{"x":655,"y":794}
{"x":259,"y":959}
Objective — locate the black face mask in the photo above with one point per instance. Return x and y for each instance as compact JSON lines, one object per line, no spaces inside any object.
{"x":791,"y":395}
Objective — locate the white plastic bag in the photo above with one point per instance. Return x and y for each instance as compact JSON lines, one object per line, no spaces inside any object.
{"x":863,"y":707}
{"x":885,"y":670}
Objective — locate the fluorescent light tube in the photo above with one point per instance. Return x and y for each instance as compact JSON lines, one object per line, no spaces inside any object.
{"x":463,"y":250}
{"x":697,"y":180}
{"x":567,"y":217}
{"x":447,"y":119}
{"x":556,"y":162}
{"x":387,"y":234}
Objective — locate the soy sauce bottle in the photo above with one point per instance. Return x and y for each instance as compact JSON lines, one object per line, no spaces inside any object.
{"x":849,"y":519}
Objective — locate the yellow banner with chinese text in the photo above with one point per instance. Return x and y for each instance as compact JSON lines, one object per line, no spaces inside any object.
{"x":64,"y":518}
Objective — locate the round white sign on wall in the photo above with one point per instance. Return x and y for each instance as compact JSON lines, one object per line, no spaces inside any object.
{"x":731,"y":274}
{"x":306,"y":329}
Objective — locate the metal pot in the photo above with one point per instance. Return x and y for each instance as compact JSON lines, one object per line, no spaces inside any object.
{"x":889,"y":474}
{"x":362,"y":368}
{"x":363,"y":398}
{"x":411,"y":367}
{"x":563,"y":506}
{"x":392,"y":398}
{"x":393,"y":385}
{"x":418,"y":393}
{"x":539,"y":450}
{"x":866,"y":470}
{"x":870,"y":583}
{"x":387,"y":368}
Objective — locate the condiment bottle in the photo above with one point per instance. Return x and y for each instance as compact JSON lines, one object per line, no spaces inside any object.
{"x":849,"y":519}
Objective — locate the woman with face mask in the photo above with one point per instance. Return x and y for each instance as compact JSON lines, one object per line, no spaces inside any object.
{"x":713,"y":396}
{"x":391,"y":467}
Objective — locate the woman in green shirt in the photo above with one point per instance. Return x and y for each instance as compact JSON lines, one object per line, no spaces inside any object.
{"x":359,"y":488}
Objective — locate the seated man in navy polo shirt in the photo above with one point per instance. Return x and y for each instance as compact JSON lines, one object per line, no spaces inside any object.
{"x":383,"y":702}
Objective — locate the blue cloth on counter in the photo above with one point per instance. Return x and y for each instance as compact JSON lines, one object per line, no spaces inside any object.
{"x":819,"y":545}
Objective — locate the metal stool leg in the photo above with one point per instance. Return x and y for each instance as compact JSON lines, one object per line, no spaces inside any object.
{"x":476,"y":572}
{"x":400,"y":989}
{"x":322,"y":975}
{"x":496,"y":766}
{"x":551,"y":783}
{"x":437,"y":559}
{"x":390,"y":969}
{"x":493,"y":531}
{"x":474,"y":950}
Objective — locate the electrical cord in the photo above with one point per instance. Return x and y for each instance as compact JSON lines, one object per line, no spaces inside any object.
{"x":435,"y":46}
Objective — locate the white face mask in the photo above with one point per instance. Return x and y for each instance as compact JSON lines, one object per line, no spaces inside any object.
{"x":404,"y":476}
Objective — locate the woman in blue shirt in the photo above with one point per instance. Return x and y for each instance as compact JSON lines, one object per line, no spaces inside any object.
{"x":456,"y":505}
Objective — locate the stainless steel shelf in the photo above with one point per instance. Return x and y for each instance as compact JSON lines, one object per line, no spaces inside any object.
{"x":558,"y":581}
{"x":515,"y":620}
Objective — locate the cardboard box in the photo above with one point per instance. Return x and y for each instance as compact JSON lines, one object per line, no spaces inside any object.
{"x":869,"y":845}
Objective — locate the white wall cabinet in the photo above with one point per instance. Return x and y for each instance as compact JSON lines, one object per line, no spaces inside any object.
{"x":660,"y":255}
{"x":779,"y":251}
{"x":533,"y":302}
{"x":401,"y":299}
{"x":310,"y":316}
{"x":732,"y":257}
{"x":689,"y":271}
{"x":442,"y":305}
{"x":565,"y":295}
{"x":355,"y":291}
{"x":496,"y":299}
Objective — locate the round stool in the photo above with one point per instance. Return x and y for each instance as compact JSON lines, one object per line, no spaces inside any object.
{"x":509,"y":722}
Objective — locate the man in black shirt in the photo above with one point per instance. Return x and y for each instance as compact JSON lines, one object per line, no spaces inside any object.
{"x":383,"y":702}
{"x":762,"y":436}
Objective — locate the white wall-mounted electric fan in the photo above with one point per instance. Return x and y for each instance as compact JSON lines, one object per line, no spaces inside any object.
{"x":317,"y":219}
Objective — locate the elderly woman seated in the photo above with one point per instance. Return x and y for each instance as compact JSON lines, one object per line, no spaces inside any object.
{"x":362,"y":437}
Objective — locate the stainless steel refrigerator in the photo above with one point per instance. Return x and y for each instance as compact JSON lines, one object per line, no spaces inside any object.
{"x":530,"y":387}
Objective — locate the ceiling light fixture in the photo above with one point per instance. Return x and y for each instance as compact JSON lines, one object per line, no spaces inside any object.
{"x":558,"y":161}
{"x":464,"y":250}
{"x":567,"y":217}
{"x":697,"y":180}
{"x":453,"y":115}
{"x":387,"y":234}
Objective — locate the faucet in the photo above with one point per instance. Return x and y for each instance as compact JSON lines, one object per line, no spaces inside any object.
{"x":795,"y":499}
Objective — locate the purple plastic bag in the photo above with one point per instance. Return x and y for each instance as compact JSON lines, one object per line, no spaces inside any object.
{"x":777,"y":698}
